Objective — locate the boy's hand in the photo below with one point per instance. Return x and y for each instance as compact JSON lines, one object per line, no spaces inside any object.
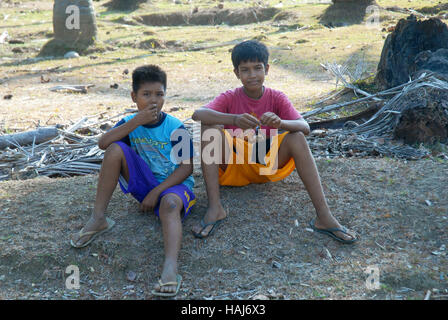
{"x":246,"y":121}
{"x":149,"y":203}
{"x":270,"y":119}
{"x":147,"y":115}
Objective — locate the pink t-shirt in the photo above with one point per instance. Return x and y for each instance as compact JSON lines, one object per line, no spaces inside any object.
{"x":237,"y":102}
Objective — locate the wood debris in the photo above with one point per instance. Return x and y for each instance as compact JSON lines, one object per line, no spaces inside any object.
{"x":74,"y":150}
{"x":376,"y":136}
{"x":71,"y":151}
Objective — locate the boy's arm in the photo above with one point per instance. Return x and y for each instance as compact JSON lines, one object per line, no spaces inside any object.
{"x":118,"y":133}
{"x":212,"y":117}
{"x":270,"y":119}
{"x":295,"y":125}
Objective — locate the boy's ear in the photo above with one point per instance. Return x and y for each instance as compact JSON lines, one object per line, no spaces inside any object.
{"x":266,"y":69}
{"x":133,"y":96}
{"x":236,"y":73}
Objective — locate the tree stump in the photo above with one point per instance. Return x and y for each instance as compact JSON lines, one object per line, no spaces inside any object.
{"x":401,"y":47}
{"x":69,"y":35}
{"x":346,"y":12}
{"x":424,"y":118}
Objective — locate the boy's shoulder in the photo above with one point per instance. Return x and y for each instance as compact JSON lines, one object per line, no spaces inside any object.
{"x":173,"y":121}
{"x":274,"y":92}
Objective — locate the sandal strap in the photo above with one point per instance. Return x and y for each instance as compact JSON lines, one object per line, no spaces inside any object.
{"x":88,"y":233}
{"x":172,"y":283}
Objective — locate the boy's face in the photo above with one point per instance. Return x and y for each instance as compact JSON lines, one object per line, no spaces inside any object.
{"x":252,"y":74}
{"x":149,"y":94}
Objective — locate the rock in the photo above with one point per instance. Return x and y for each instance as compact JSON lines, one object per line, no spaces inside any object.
{"x":410,"y":37}
{"x":131,"y":276}
{"x":71,"y":55}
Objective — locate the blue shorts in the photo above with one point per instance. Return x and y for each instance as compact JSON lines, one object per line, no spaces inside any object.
{"x":142,"y":181}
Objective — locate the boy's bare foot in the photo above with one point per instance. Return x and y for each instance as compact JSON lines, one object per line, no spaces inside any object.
{"x":213,"y":214}
{"x":94,"y":224}
{"x":169,"y":275}
{"x":331,"y":222}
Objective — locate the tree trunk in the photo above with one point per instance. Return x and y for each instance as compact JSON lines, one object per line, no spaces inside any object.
{"x":64,"y":26}
{"x":424,"y":118}
{"x":26,"y":138}
{"x":74,"y":26}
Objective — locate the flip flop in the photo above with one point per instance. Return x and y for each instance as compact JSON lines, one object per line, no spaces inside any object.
{"x":93,"y":234}
{"x":330,"y":232}
{"x":204,"y":225}
{"x":172,"y":283}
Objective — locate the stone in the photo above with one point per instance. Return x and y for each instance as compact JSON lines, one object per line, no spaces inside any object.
{"x":71,"y":55}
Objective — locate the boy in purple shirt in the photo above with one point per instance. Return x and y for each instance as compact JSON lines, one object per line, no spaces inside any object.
{"x":139,"y":155}
{"x":253,"y":106}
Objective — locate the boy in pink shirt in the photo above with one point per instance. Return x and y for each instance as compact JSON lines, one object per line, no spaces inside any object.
{"x":272,"y":144}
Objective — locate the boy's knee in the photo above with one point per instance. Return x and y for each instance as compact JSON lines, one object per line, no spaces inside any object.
{"x":114,"y":149}
{"x":297,"y":136}
{"x":169,"y":203}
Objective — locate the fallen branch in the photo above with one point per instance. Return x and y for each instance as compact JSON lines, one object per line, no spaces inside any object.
{"x":72,"y":88}
{"x":387,"y":92}
{"x":30,"y":137}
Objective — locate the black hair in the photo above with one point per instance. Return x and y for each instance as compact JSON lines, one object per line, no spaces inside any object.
{"x":147,"y":73}
{"x":251,"y":50}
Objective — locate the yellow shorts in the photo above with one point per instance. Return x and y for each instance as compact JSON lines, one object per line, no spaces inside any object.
{"x":243,"y":174}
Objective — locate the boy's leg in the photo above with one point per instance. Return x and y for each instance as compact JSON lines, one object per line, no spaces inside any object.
{"x":210,"y":173}
{"x":170,"y":216}
{"x":114,"y":163}
{"x":295,"y":145}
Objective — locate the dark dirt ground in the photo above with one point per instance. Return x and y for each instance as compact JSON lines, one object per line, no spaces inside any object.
{"x":264,"y":250}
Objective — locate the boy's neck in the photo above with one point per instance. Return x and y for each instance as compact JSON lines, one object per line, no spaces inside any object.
{"x":254,"y":94}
